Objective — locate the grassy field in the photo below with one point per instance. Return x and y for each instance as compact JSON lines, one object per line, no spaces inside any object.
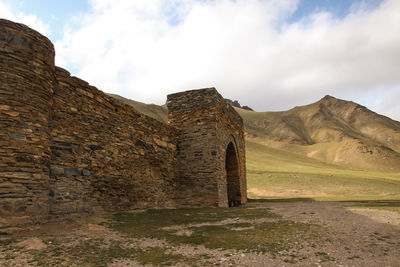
{"x":274,"y":173}
{"x":249,"y":229}
{"x":215,"y":228}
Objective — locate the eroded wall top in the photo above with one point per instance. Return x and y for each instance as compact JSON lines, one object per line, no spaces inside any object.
{"x":207,"y":103}
{"x":19,"y":39}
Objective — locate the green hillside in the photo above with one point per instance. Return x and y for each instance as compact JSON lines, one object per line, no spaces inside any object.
{"x":274,"y":173}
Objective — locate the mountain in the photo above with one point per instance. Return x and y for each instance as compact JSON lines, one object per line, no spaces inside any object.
{"x":157,"y":112}
{"x":328,"y":120}
{"x":331,"y":130}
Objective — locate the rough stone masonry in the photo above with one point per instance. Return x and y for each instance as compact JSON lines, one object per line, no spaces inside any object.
{"x":67,"y":148}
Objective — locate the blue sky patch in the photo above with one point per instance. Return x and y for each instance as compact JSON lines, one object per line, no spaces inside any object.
{"x":337,"y":8}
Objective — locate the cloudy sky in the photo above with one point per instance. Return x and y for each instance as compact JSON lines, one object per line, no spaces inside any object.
{"x":270,"y":55}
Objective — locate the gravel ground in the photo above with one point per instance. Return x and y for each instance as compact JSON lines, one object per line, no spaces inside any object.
{"x":352,"y":237}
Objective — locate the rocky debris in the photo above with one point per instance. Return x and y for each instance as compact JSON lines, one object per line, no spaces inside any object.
{"x":32,"y":243}
{"x":95,"y":227}
{"x":236,"y":104}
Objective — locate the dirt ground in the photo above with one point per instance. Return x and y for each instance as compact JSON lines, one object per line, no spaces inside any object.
{"x":352,"y":236}
{"x":357,"y":236}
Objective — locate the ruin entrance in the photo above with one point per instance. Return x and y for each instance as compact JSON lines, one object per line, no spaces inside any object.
{"x":232,"y":176}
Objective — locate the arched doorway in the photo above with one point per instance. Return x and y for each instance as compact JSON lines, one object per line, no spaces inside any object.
{"x":232,"y":176}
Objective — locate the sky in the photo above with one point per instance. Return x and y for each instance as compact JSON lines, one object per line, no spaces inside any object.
{"x":270,"y":55}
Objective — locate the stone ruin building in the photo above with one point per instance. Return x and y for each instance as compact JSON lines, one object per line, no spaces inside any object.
{"x":67,"y":148}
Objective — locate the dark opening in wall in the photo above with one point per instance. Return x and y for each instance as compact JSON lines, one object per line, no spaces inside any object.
{"x":232,"y":176}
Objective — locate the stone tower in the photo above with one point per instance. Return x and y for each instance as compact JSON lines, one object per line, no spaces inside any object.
{"x":210,"y":149}
{"x":26,"y":88}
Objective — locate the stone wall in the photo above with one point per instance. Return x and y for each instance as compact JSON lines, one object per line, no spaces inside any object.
{"x":230,"y":131}
{"x":67,"y":148}
{"x":207,"y":125}
{"x":105,"y":153}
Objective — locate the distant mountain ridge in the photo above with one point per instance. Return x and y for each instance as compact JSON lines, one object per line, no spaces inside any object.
{"x":330,"y":130}
{"x":328,"y":120}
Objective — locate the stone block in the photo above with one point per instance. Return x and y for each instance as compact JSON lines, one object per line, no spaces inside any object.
{"x":72,"y":171}
{"x":17,"y":136}
{"x":57,"y":170}
{"x":5,"y":107}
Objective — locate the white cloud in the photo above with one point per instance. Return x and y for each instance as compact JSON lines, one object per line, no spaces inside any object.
{"x":28,"y":19}
{"x":387,"y":103}
{"x":145,"y":49}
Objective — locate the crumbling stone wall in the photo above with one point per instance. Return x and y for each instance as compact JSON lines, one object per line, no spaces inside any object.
{"x":67,"y":148}
{"x":105,"y":152}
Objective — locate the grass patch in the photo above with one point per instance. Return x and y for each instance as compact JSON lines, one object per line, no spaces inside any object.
{"x":281,"y":199}
{"x":155,"y":219}
{"x":91,"y":253}
{"x":266,"y":237}
{"x":239,"y":225}
{"x":390,"y":205}
{"x":5,"y":242}
{"x":157,"y":256}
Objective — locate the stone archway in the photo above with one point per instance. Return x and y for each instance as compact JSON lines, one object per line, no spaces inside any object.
{"x":232,"y":176}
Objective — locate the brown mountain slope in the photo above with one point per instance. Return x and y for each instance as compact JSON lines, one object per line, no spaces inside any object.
{"x":328,"y":120}
{"x":157,"y":112}
{"x":330,"y":130}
